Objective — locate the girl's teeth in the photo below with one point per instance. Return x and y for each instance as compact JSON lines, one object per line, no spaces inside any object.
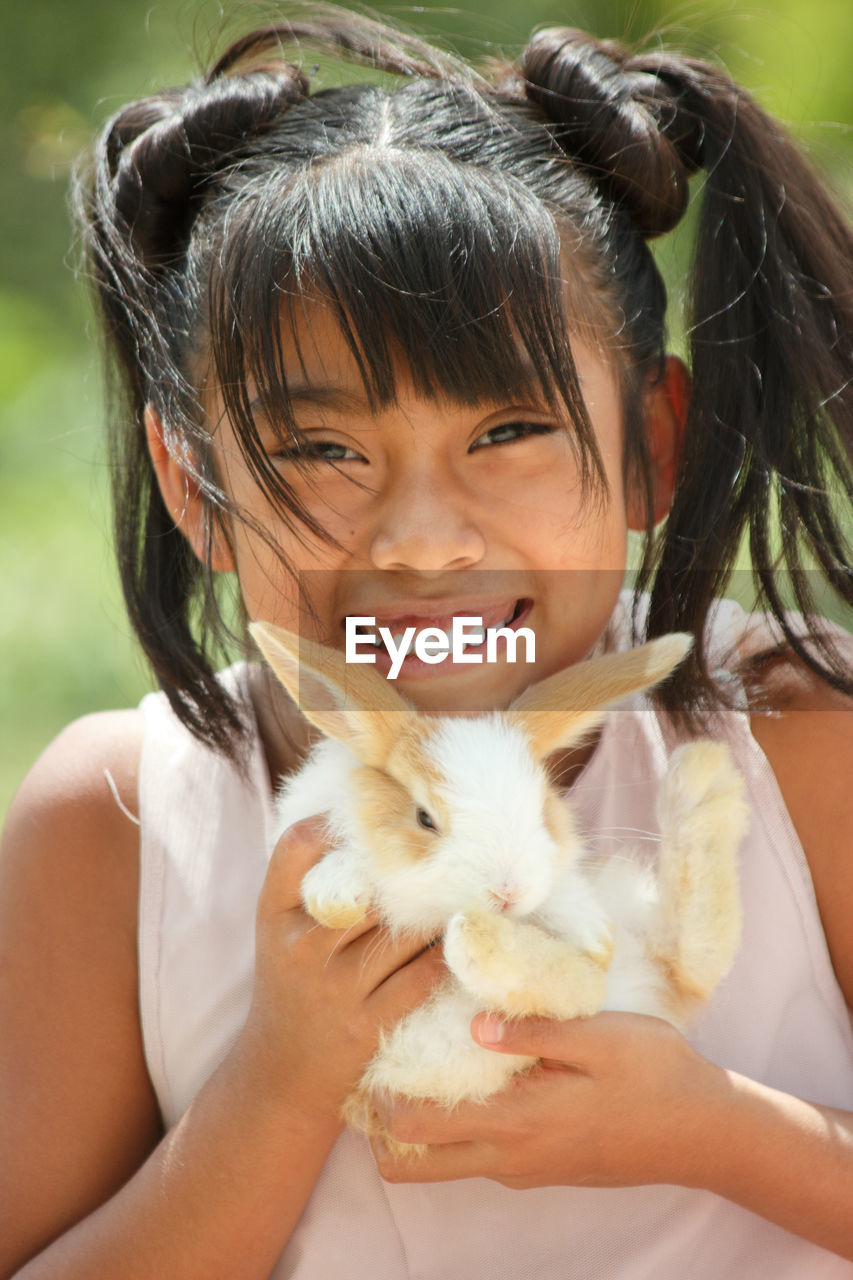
{"x":473,"y":637}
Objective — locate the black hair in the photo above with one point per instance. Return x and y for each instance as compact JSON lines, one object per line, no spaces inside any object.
{"x":440,"y":209}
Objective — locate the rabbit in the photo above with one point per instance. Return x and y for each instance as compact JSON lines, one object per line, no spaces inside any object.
{"x":451,"y":826}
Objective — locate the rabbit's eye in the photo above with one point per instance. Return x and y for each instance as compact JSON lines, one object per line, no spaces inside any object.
{"x":425,"y":821}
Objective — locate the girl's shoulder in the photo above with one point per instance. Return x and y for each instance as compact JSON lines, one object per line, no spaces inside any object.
{"x":69,"y":850}
{"x":807,"y":740}
{"x":83,"y":788}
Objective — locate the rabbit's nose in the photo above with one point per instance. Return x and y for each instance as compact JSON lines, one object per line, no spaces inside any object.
{"x":504,"y":897}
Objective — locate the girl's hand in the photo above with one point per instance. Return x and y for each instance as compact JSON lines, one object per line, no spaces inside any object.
{"x":617,"y":1100}
{"x":321,"y":996}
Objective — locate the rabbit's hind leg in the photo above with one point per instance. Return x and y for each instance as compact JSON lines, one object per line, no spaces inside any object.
{"x":703,"y":817}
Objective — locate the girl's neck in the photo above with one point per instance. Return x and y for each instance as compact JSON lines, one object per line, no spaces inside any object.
{"x":286,"y":736}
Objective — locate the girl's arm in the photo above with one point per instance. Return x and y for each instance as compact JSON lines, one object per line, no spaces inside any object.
{"x":88,"y":1184}
{"x":810,"y":749}
{"x":624,"y":1100}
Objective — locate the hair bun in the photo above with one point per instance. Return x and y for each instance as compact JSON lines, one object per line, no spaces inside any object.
{"x":162,"y":151}
{"x":620,"y":117}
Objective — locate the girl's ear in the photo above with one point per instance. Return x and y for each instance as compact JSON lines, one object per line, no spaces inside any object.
{"x":666,"y":400}
{"x":184,"y":499}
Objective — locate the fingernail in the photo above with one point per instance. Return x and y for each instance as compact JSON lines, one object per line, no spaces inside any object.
{"x":490,"y":1030}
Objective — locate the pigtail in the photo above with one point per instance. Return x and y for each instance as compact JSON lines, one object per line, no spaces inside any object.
{"x":770,"y":428}
{"x":770,"y":425}
{"x":615,"y":122}
{"x":155,"y":167}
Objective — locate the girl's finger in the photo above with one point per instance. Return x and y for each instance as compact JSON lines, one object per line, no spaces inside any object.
{"x":398,"y":971}
{"x":577,"y":1043}
{"x":447,"y":1162}
{"x":296,"y":851}
{"x":427,"y":1123}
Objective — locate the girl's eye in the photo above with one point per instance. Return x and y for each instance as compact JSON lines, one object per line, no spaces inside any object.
{"x":330,"y":451}
{"x":507,"y":432}
{"x":318,"y":451}
{"x":425,"y":821}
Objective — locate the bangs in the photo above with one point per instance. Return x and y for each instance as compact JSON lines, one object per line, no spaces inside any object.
{"x":450,"y":276}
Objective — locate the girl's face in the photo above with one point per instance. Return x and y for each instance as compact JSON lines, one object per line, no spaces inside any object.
{"x":439,"y":510}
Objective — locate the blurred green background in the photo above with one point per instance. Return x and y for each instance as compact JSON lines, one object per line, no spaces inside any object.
{"x":66,"y":66}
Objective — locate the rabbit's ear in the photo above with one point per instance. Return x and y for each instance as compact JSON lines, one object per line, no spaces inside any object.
{"x":561,"y":710}
{"x":348,"y":702}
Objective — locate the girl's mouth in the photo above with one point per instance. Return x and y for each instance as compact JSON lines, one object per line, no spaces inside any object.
{"x":455,"y":642}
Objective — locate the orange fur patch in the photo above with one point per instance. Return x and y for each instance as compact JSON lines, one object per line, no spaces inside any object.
{"x":390,"y":798}
{"x":560,"y":824}
{"x":387,"y":811}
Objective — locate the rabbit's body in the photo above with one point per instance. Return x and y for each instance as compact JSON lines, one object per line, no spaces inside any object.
{"x":450,"y":827}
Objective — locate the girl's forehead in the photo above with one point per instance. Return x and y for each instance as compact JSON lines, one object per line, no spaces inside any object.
{"x":322,"y":370}
{"x":315,"y":350}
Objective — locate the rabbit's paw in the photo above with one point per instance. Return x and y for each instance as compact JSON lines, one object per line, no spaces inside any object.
{"x":334,"y":894}
{"x":515,"y":968}
{"x":336,"y":915}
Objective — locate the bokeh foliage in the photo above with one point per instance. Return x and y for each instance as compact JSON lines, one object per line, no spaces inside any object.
{"x":66,"y":65}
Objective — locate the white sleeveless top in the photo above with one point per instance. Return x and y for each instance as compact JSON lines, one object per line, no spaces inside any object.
{"x":779,"y":1017}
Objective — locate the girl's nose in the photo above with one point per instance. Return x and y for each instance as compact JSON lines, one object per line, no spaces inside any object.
{"x":426,"y":526}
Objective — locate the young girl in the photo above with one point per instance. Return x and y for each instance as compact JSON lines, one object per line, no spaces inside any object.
{"x":396,"y":350}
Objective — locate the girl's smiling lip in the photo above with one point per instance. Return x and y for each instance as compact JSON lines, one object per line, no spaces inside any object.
{"x":440,"y":613}
{"x":509,"y":614}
